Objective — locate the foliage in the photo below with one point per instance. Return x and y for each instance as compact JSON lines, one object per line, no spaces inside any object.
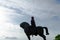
{"x":57,"y":37}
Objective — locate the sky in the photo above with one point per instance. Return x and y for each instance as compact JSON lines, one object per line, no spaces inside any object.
{"x":14,"y":12}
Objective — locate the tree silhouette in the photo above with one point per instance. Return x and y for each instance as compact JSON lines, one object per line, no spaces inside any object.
{"x":57,"y":37}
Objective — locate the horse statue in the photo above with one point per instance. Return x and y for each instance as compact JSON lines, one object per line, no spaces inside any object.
{"x":39,"y":30}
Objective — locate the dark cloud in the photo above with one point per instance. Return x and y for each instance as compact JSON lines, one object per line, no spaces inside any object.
{"x":16,"y":9}
{"x":10,"y":37}
{"x":56,"y":18}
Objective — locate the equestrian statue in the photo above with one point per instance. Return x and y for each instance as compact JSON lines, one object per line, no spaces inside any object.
{"x":33,"y":29}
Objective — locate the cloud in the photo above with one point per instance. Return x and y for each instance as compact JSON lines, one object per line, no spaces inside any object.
{"x":11,"y":37}
{"x":39,"y":8}
{"x":7,"y":28}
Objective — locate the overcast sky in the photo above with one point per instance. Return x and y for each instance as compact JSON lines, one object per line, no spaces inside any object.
{"x":14,"y":12}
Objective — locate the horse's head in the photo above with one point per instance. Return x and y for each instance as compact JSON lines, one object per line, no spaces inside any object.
{"x":24,"y":25}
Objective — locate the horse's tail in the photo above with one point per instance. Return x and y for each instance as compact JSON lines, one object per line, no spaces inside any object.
{"x":47,"y":33}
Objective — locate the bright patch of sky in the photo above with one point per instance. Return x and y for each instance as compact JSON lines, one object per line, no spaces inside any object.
{"x":7,"y":29}
{"x":13,"y":12}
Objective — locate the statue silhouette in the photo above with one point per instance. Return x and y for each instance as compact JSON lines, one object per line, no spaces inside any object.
{"x":33,"y":30}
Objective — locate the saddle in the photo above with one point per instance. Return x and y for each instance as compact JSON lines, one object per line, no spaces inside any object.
{"x":34,"y":31}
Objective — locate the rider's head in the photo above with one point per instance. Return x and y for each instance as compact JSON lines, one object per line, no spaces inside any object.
{"x":32,"y":17}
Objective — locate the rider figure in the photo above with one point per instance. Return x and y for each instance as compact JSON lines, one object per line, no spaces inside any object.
{"x":33,"y":25}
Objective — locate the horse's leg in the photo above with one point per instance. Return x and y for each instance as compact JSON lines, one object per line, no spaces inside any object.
{"x":28,"y":36}
{"x":44,"y":37}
